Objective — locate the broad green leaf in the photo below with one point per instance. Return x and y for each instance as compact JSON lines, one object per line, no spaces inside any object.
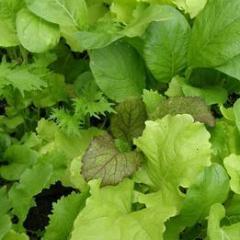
{"x":194,"y":106}
{"x":151,"y":100}
{"x":12,"y":235}
{"x":72,"y":13}
{"x":123,"y":9}
{"x":5,"y":225}
{"x":4,"y":201}
{"x":19,"y":158}
{"x":8,"y":36}
{"x":35,"y":34}
{"x":166,"y":45}
{"x":31,"y":183}
{"x":225,"y":140}
{"x":178,"y":142}
{"x":108,"y":215}
{"x":192,"y":7}
{"x":103,"y":161}
{"x":231,"y":68}
{"x":232,"y":164}
{"x":236,"y":112}
{"x":144,"y":16}
{"x":54,"y":93}
{"x":8,"y":10}
{"x":211,"y":186}
{"x":126,"y":76}
{"x":211,"y":94}
{"x":216,"y":231}
{"x":129,"y":120}
{"x":215,"y":35}
{"x":99,"y":37}
{"x":63,"y":215}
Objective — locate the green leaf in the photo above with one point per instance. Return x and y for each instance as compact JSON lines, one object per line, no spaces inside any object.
{"x":8,"y":10}
{"x":91,"y":100}
{"x":8,"y":36}
{"x":19,"y":158}
{"x":225,"y":140}
{"x":212,"y":94}
{"x":236,"y":112}
{"x":192,"y":7}
{"x":144,"y":16}
{"x":211,"y":186}
{"x":178,"y":142}
{"x":231,"y":68}
{"x":12,"y":235}
{"x":35,"y":34}
{"x":215,"y":230}
{"x":4,"y":201}
{"x":166,"y":45}
{"x":103,"y":161}
{"x":232,"y":163}
{"x":31,"y":183}
{"x":215,"y":35}
{"x":129,"y":121}
{"x":63,"y":215}
{"x":151,"y":100}
{"x":194,"y":106}
{"x":5,"y":225}
{"x":21,"y":78}
{"x":72,"y":13}
{"x":125,"y":77}
{"x":54,"y":93}
{"x":108,"y":215}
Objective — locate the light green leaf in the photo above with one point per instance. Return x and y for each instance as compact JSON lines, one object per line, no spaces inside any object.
{"x":126,"y":76}
{"x":72,"y":13}
{"x":178,"y":142}
{"x":108,"y":215}
{"x":151,"y":100}
{"x":144,"y":16}
{"x":8,"y":36}
{"x":31,"y":183}
{"x":166,"y":45}
{"x":194,"y":106}
{"x":215,"y":230}
{"x":211,"y":186}
{"x":63,"y":215}
{"x":236,"y":112}
{"x":215,"y":35}
{"x":34,"y":33}
{"x":20,"y":77}
{"x":192,"y":7}
{"x":54,"y":93}
{"x":19,"y":158}
{"x":231,"y":68}
{"x":103,"y":161}
{"x":225,"y":140}
{"x":129,"y":121}
{"x":211,"y":94}
{"x":8,"y":10}
{"x":232,"y":164}
{"x":12,"y":235}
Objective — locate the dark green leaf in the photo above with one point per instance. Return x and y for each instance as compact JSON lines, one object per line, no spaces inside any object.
{"x":129,"y":121}
{"x":118,"y":70}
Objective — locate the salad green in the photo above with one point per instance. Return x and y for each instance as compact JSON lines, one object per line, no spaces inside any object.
{"x":119,"y":120}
